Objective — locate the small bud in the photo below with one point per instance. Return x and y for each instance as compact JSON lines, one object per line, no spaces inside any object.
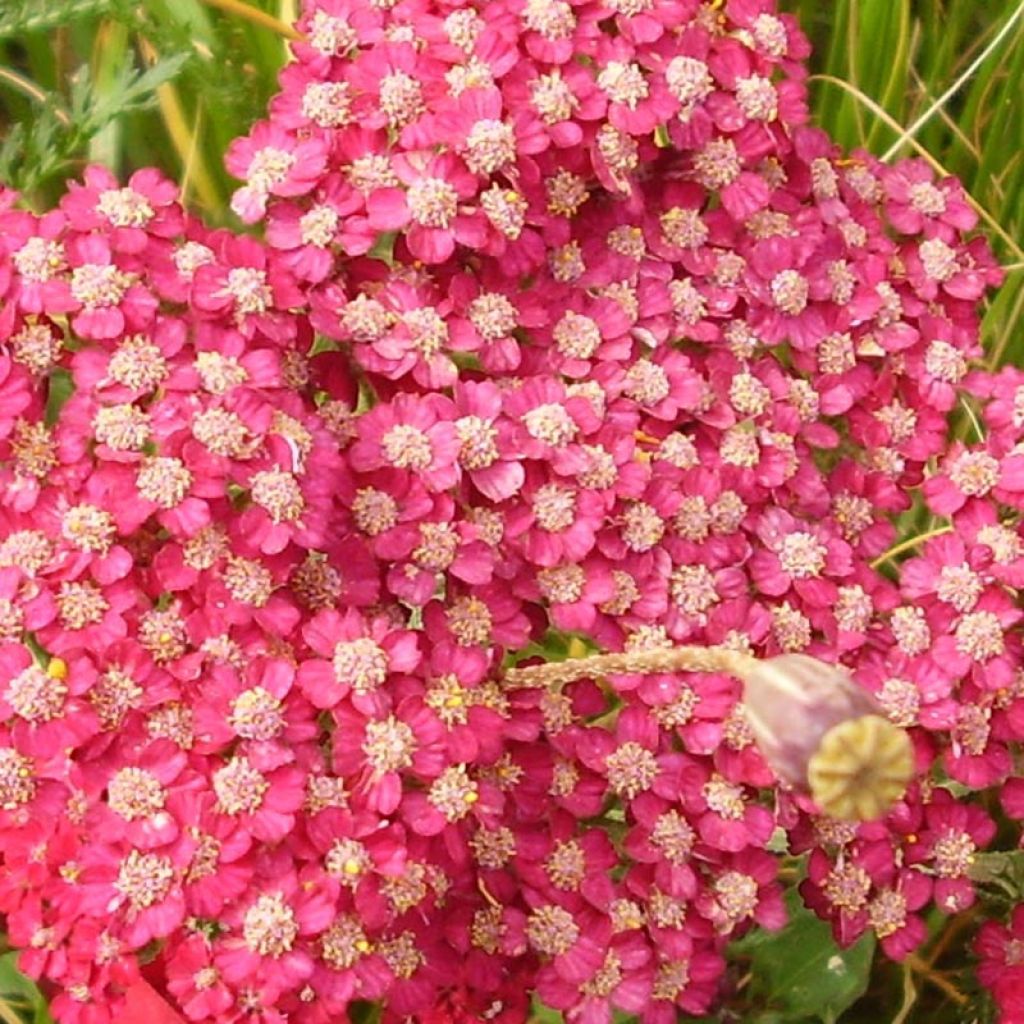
{"x":821,"y":733}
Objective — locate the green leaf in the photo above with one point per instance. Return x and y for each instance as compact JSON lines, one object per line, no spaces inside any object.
{"x":18,"y":16}
{"x":361,"y":1012}
{"x":1000,"y":874}
{"x":384,"y":248}
{"x":799,"y":973}
{"x":20,"y":993}
{"x":541,"y":1014}
{"x":61,"y":387}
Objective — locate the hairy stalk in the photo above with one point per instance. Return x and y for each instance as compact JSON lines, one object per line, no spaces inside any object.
{"x":671,"y":659}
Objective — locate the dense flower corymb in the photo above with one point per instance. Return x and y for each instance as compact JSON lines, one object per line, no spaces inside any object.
{"x":568,"y":331}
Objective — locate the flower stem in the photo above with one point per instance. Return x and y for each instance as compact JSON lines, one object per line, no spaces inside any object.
{"x":935,"y":978}
{"x":909,"y":544}
{"x":671,"y":659}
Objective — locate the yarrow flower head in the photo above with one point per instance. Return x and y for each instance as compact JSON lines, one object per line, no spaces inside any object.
{"x":568,"y":335}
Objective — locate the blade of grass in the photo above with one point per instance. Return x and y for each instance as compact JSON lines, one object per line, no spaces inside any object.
{"x":896,"y":84}
{"x":256,"y":16}
{"x":30,"y":89}
{"x":972,"y":68}
{"x":1003,"y":338}
{"x":109,"y":59}
{"x":8,"y":1014}
{"x":185,"y":139}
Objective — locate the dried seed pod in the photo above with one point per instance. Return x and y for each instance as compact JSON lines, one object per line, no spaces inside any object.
{"x":822,"y":733}
{"x":861,"y":768}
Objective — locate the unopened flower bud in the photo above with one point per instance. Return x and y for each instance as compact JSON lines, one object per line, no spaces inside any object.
{"x":821,"y":733}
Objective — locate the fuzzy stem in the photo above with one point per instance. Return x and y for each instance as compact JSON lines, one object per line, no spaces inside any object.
{"x":671,"y":659}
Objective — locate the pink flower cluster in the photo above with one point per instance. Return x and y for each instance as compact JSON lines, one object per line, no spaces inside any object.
{"x":567,"y":330}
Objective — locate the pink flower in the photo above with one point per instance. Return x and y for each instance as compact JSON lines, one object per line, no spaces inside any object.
{"x":979,"y":641}
{"x":914,"y":201}
{"x":941,"y":265}
{"x":946,"y":572}
{"x":107,"y":300}
{"x":798,"y":556}
{"x":974,"y":473}
{"x":139,"y":787}
{"x":362,"y":657}
{"x":38,"y":258}
{"x":622,"y":982}
{"x":307,"y":236}
{"x":487,"y":453}
{"x":953,"y":833}
{"x":432,"y":206}
{"x":688,"y":983}
{"x":147,"y":207}
{"x":898,"y":893}
{"x":195,"y":982}
{"x":436,"y":550}
{"x":415,"y":435}
{"x":263,"y":803}
{"x":248,"y":288}
{"x":219,"y":867}
{"x":488,"y":142}
{"x":275,"y":926}
{"x":255,"y":711}
{"x":272,"y":162}
{"x":141,"y":889}
{"x":479,"y":617}
{"x":553,"y":521}
{"x":725,"y":818}
{"x":637,"y":101}
{"x":1000,"y":948}
{"x":377,"y":751}
{"x":744,"y":891}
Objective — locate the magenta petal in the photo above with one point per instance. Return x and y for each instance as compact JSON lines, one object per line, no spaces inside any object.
{"x":432,"y":245}
{"x":387,"y":209}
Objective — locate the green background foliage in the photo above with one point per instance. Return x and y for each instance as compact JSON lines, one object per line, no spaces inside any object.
{"x":170,"y":82}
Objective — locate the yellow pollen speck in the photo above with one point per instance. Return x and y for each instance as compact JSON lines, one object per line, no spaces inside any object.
{"x":351,"y":867}
{"x":471,"y":797}
{"x":57,"y":669}
{"x":165,"y":638}
{"x":362,"y":945}
{"x":577,"y":648}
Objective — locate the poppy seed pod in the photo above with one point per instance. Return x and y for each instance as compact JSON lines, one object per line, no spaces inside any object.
{"x":821,"y":733}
